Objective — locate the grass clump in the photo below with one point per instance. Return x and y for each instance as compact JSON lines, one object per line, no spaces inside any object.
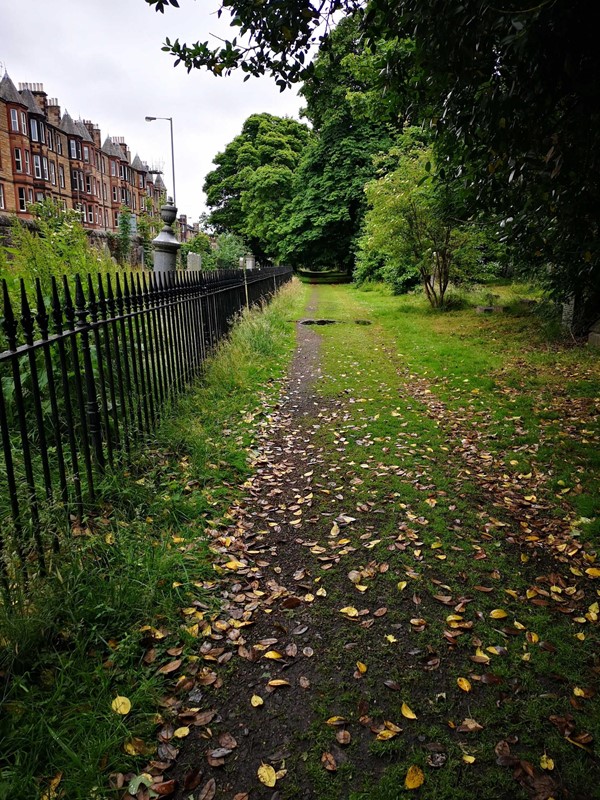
{"x":71,"y":643}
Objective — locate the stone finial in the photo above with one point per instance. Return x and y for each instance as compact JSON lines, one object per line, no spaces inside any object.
{"x":166,"y":245}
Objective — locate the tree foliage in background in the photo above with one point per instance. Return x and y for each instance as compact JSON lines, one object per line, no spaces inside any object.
{"x":513,"y":91}
{"x":227,"y":253}
{"x":253,"y":180}
{"x":352,"y":123}
{"x":200,"y":243}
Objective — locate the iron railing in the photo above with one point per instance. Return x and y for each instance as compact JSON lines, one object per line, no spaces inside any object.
{"x":86,"y":372}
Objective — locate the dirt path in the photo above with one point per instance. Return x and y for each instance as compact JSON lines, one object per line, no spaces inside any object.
{"x":324,"y":671}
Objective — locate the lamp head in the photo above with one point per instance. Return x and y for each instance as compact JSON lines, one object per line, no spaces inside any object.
{"x":150,"y":119}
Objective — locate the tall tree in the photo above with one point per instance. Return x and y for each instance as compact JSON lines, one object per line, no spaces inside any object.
{"x":514,"y":91}
{"x":253,"y":180}
{"x":352,"y":124}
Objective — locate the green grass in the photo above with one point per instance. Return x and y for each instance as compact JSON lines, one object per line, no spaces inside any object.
{"x":501,"y":377}
{"x":72,"y":642}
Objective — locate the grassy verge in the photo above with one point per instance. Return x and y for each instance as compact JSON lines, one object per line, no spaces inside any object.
{"x":446,"y":417}
{"x":72,"y":645}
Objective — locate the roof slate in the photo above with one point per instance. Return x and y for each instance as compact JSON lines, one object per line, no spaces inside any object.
{"x":29,"y":101}
{"x":8,"y":91}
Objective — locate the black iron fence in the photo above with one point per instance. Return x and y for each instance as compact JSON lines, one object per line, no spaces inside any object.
{"x":86,"y":371}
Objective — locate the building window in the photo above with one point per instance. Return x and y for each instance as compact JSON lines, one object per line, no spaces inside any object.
{"x":104,"y":192}
{"x":23,"y":123}
{"x":53,"y":173}
{"x":72,"y":148}
{"x":42,"y":133}
{"x":134,"y":203}
{"x":18,"y":160}
{"x":113,"y":168}
{"x":45,"y":168}
{"x":91,"y":214}
{"x":37,"y":167}
{"x":115,"y":198}
{"x":50,"y":140}
{"x":61,"y":176}
{"x":88,"y":184}
{"x":39,"y":197}
{"x":105,"y":218}
{"x":86,"y":153}
{"x":59,"y":144}
{"x":27,"y":162}
{"x":30,"y":195}
{"x":22,"y":201}
{"x":116,"y":220}
{"x":35,"y":135}
{"x":103,"y":165}
{"x":14,"y":120}
{"x":2,"y":196}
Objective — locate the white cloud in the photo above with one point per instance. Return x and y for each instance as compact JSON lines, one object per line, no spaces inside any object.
{"x":102,"y":59}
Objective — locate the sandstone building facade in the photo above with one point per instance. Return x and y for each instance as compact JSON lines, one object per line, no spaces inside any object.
{"x":45,"y":153}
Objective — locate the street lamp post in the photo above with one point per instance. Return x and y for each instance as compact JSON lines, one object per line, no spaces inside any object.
{"x":170,"y":119}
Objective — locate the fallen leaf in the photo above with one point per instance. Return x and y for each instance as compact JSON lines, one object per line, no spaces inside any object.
{"x":498,"y":613}
{"x":464,"y":684}
{"x":329,"y":762}
{"x":164,"y":788}
{"x":267,"y":775}
{"x":208,"y":791}
{"x":407,"y":712}
{"x":181,"y":733}
{"x":349,"y":611}
{"x":256,"y":701}
{"x":273,"y":654}
{"x":362,"y":668}
{"x":278,"y":682}
{"x":343,"y":737}
{"x":121,"y":705}
{"x":469,"y":725}
{"x":546,"y":762}
{"x":414,"y":777}
{"x":468,"y":759}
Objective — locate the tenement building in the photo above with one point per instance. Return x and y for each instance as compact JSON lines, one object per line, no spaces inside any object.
{"x":45,"y":153}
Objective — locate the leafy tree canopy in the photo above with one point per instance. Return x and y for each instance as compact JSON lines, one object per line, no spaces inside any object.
{"x":253,"y":180}
{"x":513,"y":91}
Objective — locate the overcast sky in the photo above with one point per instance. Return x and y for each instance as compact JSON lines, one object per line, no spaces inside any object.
{"x":102,"y":59}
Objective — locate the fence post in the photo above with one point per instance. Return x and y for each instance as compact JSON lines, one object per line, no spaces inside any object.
{"x":166,"y":245}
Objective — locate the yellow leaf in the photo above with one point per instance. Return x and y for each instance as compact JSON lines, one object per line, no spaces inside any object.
{"x":278,"y":682}
{"x":121,"y":705}
{"x":402,"y":585}
{"x":361,"y":587}
{"x":349,"y":611}
{"x":391,"y":638}
{"x":386,"y":734}
{"x":593,"y":572}
{"x":336,"y":721}
{"x":498,"y":613}
{"x":408,"y":712}
{"x":464,"y":684}
{"x":51,"y":792}
{"x":273,"y":654}
{"x":546,"y":762}
{"x":321,"y":592}
{"x":181,"y":733}
{"x":362,"y":668}
{"x":414,"y":777}
{"x":468,"y":759}
{"x":335,"y":529}
{"x":578,"y":692}
{"x":233,"y":565}
{"x":256,"y":701}
{"x":267,"y":775}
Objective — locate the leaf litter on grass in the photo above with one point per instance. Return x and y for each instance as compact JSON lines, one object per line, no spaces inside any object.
{"x":306,"y":519}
